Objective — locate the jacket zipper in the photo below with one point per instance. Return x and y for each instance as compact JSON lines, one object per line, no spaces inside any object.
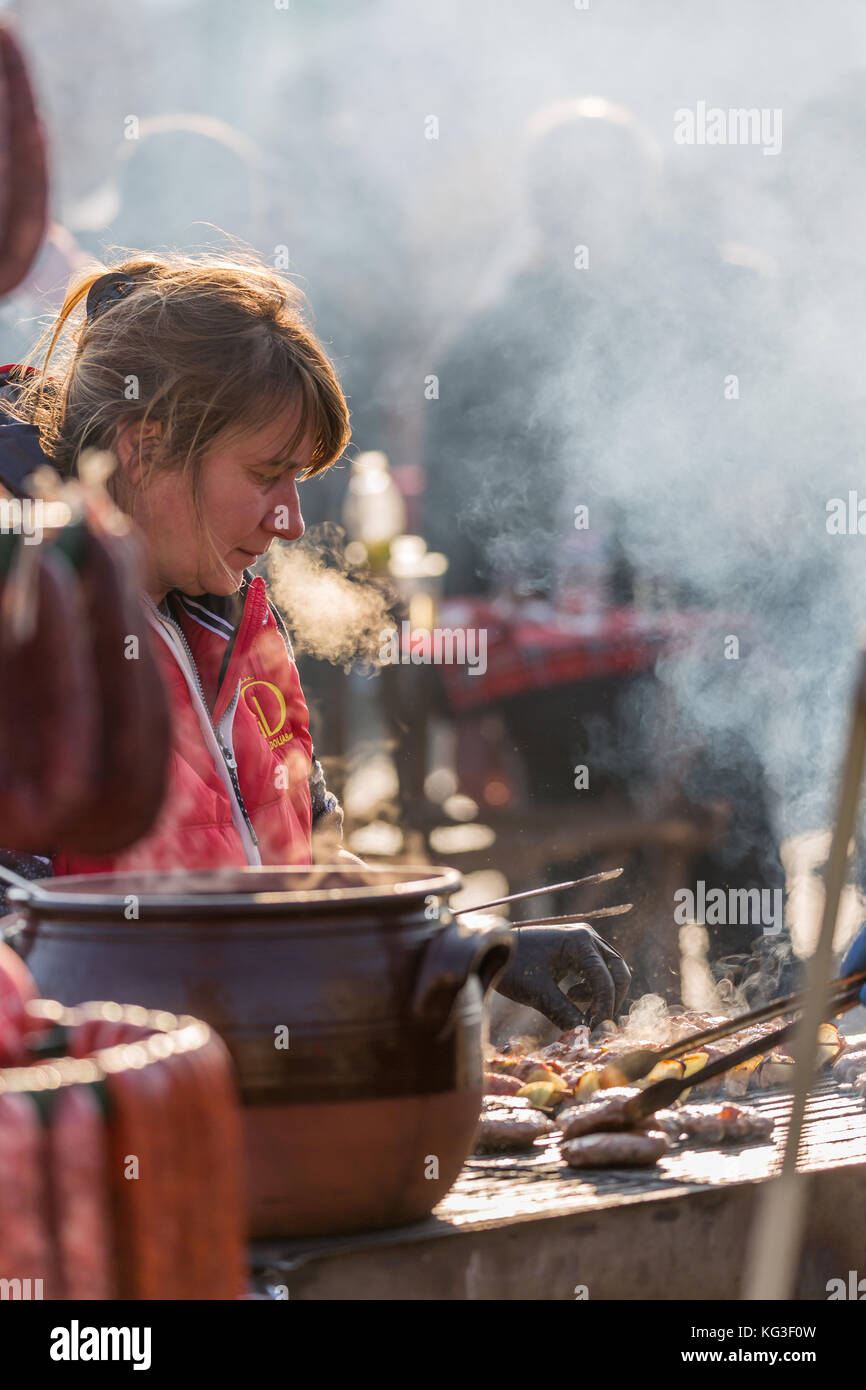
{"x":227,"y":752}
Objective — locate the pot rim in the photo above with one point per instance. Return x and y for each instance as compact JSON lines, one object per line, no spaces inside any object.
{"x":415,"y":881}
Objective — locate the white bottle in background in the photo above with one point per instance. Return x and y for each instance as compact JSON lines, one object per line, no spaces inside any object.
{"x":374,"y":511}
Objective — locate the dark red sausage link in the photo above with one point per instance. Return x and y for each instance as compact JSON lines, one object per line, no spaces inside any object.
{"x":25,"y":1239}
{"x":79,"y":1180}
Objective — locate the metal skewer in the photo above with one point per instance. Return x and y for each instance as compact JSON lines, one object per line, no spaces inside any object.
{"x":778,"y":1231}
{"x":603,"y":877}
{"x":574,"y":919}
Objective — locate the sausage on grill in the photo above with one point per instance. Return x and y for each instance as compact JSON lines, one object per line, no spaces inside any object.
{"x":850,"y":1065}
{"x":510,"y":1129}
{"x":629,"y":1150}
{"x":603,"y":1112}
{"x":720,"y":1124}
{"x":497,"y":1084}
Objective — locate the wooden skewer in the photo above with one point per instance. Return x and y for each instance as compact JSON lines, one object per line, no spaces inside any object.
{"x":603,"y":877}
{"x":777,"y":1236}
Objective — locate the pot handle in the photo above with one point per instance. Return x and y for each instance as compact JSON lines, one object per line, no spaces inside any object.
{"x":12,"y":932}
{"x":450,"y":959}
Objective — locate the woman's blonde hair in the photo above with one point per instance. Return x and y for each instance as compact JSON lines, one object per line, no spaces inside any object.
{"x":204,"y":346}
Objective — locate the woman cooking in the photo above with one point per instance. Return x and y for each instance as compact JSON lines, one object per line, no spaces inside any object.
{"x":204,"y":381}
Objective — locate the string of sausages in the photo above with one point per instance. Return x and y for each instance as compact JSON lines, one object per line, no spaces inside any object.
{"x":120,"y":1163}
{"x":85,"y":729}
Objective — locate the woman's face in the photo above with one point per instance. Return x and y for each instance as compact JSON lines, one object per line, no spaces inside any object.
{"x":247,"y":500}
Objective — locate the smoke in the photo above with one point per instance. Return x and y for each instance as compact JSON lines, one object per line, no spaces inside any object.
{"x":332,"y":613}
{"x":704,"y":403}
{"x":648,"y":1020}
{"x":696,"y":385}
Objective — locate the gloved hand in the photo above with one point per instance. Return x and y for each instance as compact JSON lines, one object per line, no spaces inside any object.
{"x":544,"y":955}
{"x":855,"y":958}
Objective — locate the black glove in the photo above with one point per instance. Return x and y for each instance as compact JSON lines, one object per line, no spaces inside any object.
{"x":544,"y":955}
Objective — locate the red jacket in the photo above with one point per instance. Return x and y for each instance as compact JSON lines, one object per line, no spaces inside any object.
{"x":238,"y":788}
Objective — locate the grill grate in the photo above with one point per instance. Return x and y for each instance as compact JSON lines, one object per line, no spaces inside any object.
{"x":643,"y":1233}
{"x":510,"y":1187}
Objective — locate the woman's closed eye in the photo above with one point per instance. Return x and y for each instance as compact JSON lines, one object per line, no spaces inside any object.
{"x":271,"y":474}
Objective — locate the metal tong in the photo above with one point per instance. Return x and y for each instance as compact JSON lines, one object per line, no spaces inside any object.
{"x":604,"y":877}
{"x":631,"y":1066}
{"x":845,"y":994}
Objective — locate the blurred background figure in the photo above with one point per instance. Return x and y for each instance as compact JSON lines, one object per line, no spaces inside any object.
{"x":664,"y":335}
{"x":548,"y":395}
{"x":186,"y":181}
{"x":502,"y":457}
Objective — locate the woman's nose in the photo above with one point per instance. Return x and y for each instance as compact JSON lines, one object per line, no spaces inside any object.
{"x":286,"y":520}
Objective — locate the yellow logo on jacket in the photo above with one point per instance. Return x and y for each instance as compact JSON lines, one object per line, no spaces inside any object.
{"x":272,"y":716}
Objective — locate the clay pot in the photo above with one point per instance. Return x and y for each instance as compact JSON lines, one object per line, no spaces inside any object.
{"x":350,"y":1002}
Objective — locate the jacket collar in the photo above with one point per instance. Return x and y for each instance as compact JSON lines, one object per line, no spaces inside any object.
{"x":20,"y":455}
{"x":221,"y":612}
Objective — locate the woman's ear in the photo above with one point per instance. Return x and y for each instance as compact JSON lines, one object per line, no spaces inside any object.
{"x":135,"y":446}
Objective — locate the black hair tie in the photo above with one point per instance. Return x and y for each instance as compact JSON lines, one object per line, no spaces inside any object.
{"x":107,"y":290}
